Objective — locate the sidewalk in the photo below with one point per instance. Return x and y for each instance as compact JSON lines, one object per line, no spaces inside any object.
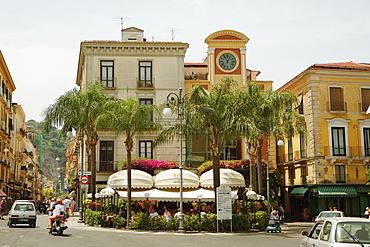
{"x":292,"y":228}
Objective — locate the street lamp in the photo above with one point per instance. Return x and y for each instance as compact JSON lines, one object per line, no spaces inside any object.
{"x":178,"y":100}
{"x":279,"y":143}
{"x":199,"y":196}
{"x":146,"y":204}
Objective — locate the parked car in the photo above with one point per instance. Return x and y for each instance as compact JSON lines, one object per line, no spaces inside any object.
{"x":22,"y":212}
{"x":326,"y":214}
{"x":338,"y":231}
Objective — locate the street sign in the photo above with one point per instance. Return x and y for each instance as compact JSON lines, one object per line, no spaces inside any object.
{"x":84,"y":179}
{"x":84,"y":186}
{"x":84,"y":173}
{"x":224,"y":209}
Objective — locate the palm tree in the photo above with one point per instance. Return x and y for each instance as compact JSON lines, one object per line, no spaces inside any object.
{"x":80,"y":111}
{"x":211,"y":113}
{"x":273,"y":114}
{"x":129,"y":118}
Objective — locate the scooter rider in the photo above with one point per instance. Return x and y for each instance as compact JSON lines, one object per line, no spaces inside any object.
{"x":58,"y":209}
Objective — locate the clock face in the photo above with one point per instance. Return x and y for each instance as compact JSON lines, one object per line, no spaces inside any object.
{"x":227,"y":61}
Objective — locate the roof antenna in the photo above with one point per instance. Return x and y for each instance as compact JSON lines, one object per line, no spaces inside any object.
{"x":122,"y":18}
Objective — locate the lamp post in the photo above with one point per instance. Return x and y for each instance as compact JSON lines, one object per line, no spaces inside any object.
{"x":178,"y":100}
{"x":279,"y":143}
{"x":146,"y":204}
{"x":199,"y":196}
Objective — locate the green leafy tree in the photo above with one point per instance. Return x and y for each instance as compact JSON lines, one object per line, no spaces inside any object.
{"x":48,"y":193}
{"x":80,"y":111}
{"x":130,"y":118}
{"x":211,"y":113}
{"x":268,"y":113}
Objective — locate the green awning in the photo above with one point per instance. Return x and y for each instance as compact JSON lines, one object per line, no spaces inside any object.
{"x":363,"y":189}
{"x":299,"y":191}
{"x":337,"y":191}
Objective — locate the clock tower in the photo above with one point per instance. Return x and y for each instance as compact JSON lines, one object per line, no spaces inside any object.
{"x":227,"y":56}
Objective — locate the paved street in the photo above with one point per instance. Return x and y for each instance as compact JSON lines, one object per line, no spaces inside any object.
{"x":81,"y":235}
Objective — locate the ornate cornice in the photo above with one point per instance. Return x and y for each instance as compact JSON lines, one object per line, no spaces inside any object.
{"x":134,"y":48}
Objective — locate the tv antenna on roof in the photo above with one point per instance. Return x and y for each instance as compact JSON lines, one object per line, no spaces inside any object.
{"x":122,"y":19}
{"x":172,"y":30}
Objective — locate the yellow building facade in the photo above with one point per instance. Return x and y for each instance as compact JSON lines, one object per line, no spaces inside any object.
{"x":328,"y":167}
{"x":226,"y":57}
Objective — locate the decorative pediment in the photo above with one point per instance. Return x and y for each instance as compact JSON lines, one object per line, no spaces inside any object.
{"x":226,"y":36}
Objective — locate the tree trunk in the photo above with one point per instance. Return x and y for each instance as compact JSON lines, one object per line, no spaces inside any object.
{"x":259,"y":170}
{"x":129,"y":145}
{"x":93,"y":171}
{"x":252,"y":174}
{"x":252,"y":167}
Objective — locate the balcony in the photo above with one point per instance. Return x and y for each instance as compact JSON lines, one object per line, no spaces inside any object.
{"x":336,"y":107}
{"x":197,"y":76}
{"x":145,"y":84}
{"x":108,"y":82}
{"x":352,"y":151}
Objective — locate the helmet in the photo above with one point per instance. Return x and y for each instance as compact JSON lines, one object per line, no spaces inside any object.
{"x":59,"y":201}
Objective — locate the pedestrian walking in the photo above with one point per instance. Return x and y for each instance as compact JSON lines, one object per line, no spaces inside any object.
{"x":366,"y":213}
{"x":2,"y":208}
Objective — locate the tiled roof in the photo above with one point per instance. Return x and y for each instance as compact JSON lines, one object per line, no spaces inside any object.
{"x":195,"y":65}
{"x":342,"y":65}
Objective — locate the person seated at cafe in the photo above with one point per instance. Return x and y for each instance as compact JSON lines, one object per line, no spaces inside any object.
{"x":167,"y":214}
{"x":153,"y":213}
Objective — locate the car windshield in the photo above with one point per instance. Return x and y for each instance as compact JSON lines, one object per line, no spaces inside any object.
{"x":349,"y":232}
{"x":329,"y":214}
{"x":24,"y":207}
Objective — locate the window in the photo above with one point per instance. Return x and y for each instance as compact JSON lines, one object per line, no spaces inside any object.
{"x":303,"y":146}
{"x":106,"y":155}
{"x":144,"y":102}
{"x":367,"y":141}
{"x":146,"y":149}
{"x":340,"y":173}
{"x":336,"y":99}
{"x":145,"y":74}
{"x":304,"y":174}
{"x":107,"y":73}
{"x":365,"y":98}
{"x":325,"y":232}
{"x":338,"y":141}
{"x":290,"y":149}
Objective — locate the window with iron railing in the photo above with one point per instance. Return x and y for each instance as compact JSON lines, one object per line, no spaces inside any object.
{"x":336,"y":99}
{"x":338,"y":141}
{"x":145,"y":74}
{"x":365,"y":98}
{"x":107,"y":73}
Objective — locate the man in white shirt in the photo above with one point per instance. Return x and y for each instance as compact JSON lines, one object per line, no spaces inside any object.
{"x":67,"y":203}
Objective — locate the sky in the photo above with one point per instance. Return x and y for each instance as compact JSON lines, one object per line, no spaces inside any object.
{"x":40,"y":39}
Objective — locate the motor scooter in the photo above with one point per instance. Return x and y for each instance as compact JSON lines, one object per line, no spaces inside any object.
{"x":58,"y":225}
{"x":273,"y":226}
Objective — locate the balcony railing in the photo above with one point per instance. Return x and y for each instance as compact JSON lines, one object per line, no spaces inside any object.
{"x":197,"y":76}
{"x":145,"y":84}
{"x":353,"y":151}
{"x":334,"y":106}
{"x":108,"y":82}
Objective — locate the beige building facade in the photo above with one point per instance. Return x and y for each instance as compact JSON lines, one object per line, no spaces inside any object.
{"x":132,"y":67}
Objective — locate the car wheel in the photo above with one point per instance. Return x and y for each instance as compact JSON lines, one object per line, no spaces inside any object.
{"x":10,"y":225}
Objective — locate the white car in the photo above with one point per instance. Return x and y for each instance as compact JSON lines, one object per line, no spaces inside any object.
{"x":338,"y":231}
{"x":326,"y":214}
{"x":22,"y":212}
